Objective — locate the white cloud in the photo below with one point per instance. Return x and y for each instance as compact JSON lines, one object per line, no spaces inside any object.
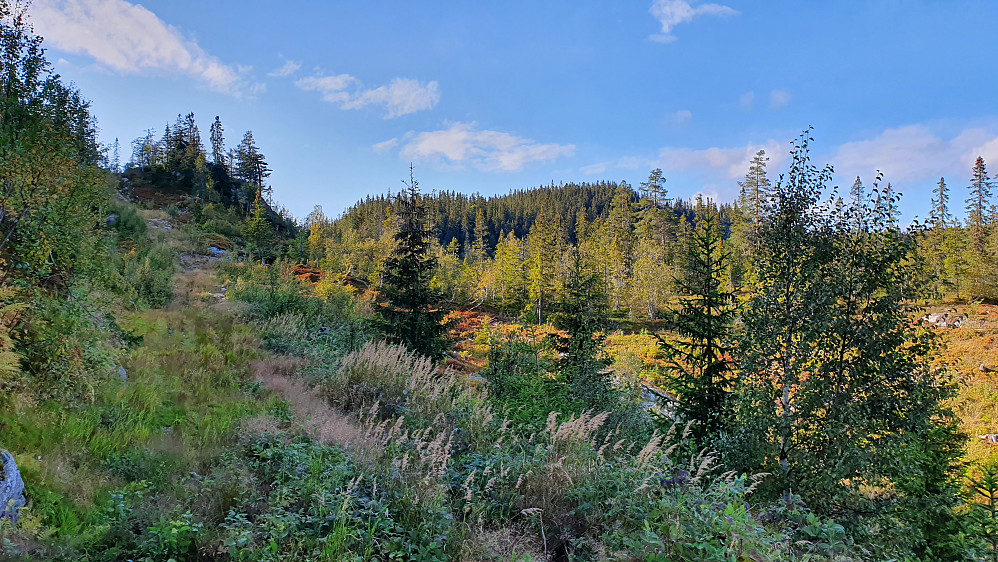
{"x":681,"y":116}
{"x":778,"y":99}
{"x":723,"y":163}
{"x":332,"y":88}
{"x":401,"y":97}
{"x":594,"y":169}
{"x":287,"y":69}
{"x":747,"y":100}
{"x":489,"y":151}
{"x":130,"y":39}
{"x":671,"y":13}
{"x":914,"y":153}
{"x":385,"y":146}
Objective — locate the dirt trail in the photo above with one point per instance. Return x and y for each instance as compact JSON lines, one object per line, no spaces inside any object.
{"x":315,"y":416}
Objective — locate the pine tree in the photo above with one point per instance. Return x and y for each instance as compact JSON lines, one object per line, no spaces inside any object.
{"x":653,"y":189}
{"x":251,"y":166}
{"x":412,"y":315}
{"x":753,"y":194}
{"x":702,"y":355}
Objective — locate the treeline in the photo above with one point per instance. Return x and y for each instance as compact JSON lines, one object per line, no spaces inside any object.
{"x":512,"y":251}
{"x":224,"y":189}
{"x":962,"y":256}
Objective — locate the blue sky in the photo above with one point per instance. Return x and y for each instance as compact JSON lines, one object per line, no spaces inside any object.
{"x":493,"y":96}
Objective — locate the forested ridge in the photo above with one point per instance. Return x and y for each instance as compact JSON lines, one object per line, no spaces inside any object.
{"x":592,"y":371}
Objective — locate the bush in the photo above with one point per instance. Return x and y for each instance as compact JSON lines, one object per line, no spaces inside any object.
{"x":150,"y":274}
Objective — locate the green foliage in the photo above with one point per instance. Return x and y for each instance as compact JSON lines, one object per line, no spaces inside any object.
{"x":702,"y":356}
{"x":834,"y":382}
{"x":984,"y":514}
{"x":519,"y":382}
{"x":413,"y":314}
{"x":582,"y":314}
{"x":150,"y":274}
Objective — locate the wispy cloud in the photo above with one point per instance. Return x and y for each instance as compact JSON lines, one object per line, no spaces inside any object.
{"x":400,"y":97}
{"x":915,"y":153}
{"x":729,"y":163}
{"x":594,"y":169}
{"x":129,"y":39}
{"x":385,"y":146}
{"x":287,"y":69}
{"x":463,"y":144}
{"x":778,"y":99}
{"x":680,"y":117}
{"x":747,"y":100}
{"x":332,"y":88}
{"x":671,"y":13}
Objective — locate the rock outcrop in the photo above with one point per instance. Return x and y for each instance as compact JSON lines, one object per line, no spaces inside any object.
{"x":11,"y":488}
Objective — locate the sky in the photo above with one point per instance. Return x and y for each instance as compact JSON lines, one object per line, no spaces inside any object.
{"x":489,"y":97}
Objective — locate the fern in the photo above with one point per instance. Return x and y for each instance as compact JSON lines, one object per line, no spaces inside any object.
{"x":10,"y":314}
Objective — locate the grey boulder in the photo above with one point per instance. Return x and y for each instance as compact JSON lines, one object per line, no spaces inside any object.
{"x":11,"y":488}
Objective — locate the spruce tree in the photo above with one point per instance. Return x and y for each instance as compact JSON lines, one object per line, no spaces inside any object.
{"x":412,"y":314}
{"x":581,"y":312}
{"x":701,"y":356}
{"x":978,"y":205}
{"x":940,"y":220}
{"x":217,"y":143}
{"x":940,"y":215}
{"x":978,"y":231}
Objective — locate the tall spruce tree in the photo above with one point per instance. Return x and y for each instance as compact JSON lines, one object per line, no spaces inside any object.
{"x":979,"y":205}
{"x":979,"y":213}
{"x":217,"y":143}
{"x":702,"y":355}
{"x":940,"y":215}
{"x":412,"y":315}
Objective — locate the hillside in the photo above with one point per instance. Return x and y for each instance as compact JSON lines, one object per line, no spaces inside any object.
{"x":576,"y":372}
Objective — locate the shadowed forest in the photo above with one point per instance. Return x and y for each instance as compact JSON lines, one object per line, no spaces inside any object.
{"x":576,"y":371}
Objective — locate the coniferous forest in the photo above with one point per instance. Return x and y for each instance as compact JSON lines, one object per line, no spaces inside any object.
{"x":572,"y":371}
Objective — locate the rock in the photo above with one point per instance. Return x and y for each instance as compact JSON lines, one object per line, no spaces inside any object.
{"x":217,"y":252}
{"x":933,"y":318}
{"x":11,"y":488}
{"x":123,"y":374}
